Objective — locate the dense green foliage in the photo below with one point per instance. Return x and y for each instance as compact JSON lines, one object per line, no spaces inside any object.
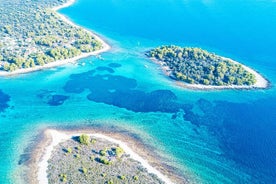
{"x":197,"y":66}
{"x":33,"y":34}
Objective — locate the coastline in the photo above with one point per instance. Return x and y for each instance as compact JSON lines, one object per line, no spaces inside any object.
{"x":53,"y":137}
{"x":105,"y":48}
{"x":261,"y":82}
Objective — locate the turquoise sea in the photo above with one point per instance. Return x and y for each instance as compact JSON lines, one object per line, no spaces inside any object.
{"x":211,"y":137}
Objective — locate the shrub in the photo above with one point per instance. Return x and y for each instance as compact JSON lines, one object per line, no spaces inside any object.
{"x":135,"y":178}
{"x":69,"y":150}
{"x":93,"y":141}
{"x":110,"y":182}
{"x":104,"y":161}
{"x":119,"y":151}
{"x":83,"y":170}
{"x":102,"y":152}
{"x":84,"y":139}
{"x":63,"y":177}
{"x":122,"y":177}
{"x":92,"y":158}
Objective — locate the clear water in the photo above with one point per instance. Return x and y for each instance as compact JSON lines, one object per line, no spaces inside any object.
{"x":209,"y":136}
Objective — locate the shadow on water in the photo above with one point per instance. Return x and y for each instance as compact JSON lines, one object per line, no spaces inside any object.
{"x":4,"y":99}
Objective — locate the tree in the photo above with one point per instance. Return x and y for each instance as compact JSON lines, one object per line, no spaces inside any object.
{"x":206,"y":82}
{"x":29,"y":63}
{"x":39,"y":60}
{"x":18,"y":61}
{"x":7,"y":66}
{"x":86,"y":48}
{"x":13,"y":67}
{"x":230,"y":80}
{"x":55,"y":53}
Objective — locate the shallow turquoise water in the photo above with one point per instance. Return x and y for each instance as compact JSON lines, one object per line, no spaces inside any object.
{"x":210,"y":136}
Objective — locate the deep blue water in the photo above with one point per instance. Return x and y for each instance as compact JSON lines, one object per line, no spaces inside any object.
{"x":209,"y":136}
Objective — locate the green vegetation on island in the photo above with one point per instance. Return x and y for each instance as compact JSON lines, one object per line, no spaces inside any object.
{"x":83,"y":159}
{"x":33,"y":34}
{"x":197,"y":66}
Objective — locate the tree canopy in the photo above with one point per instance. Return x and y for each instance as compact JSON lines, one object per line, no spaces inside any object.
{"x":34,"y":34}
{"x":198,"y":66}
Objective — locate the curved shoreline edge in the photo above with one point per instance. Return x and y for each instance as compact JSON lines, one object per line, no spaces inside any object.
{"x":261,"y":82}
{"x":57,"y":137}
{"x":105,"y":48}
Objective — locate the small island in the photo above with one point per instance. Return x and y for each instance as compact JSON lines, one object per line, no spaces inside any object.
{"x":77,"y":157}
{"x":198,"y":68}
